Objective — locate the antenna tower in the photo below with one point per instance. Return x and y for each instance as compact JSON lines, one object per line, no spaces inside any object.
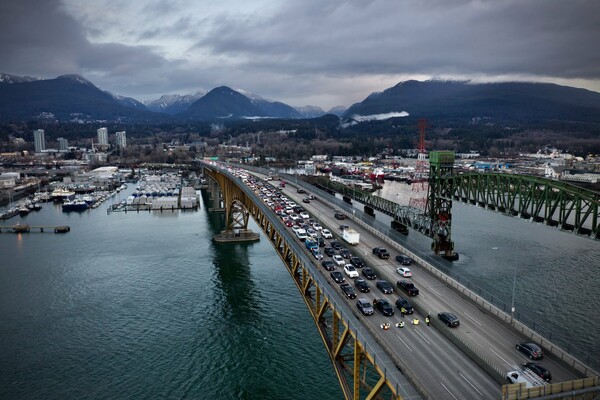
{"x":420,"y":182}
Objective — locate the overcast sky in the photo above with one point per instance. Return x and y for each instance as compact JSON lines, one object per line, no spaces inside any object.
{"x":317,"y":52}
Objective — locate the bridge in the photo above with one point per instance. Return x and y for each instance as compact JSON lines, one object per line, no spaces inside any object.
{"x":413,"y":362}
{"x":554,"y":203}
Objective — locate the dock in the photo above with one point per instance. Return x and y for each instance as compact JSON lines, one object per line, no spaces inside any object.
{"x":24,"y":228}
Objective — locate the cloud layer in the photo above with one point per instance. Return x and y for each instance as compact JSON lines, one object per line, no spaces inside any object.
{"x":300,"y":52}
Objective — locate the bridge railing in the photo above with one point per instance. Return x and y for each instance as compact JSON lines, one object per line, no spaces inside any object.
{"x":382,"y":354}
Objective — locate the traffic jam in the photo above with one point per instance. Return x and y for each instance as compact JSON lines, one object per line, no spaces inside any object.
{"x":332,"y":249}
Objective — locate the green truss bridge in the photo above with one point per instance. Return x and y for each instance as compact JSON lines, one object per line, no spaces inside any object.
{"x":554,"y":203}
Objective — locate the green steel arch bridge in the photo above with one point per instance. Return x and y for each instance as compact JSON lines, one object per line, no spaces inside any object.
{"x":554,"y":203}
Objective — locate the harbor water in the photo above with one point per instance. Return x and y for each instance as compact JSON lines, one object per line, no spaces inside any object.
{"x":145,"y":305}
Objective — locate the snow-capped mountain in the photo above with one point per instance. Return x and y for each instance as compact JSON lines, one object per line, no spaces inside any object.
{"x":128,"y":101}
{"x":8,"y":78}
{"x":310,"y":111}
{"x":337,"y":110}
{"x":174,"y":103}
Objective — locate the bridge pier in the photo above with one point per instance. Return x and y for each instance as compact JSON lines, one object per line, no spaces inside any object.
{"x":369,"y":211}
{"x":400,"y":227}
{"x":347,"y":199}
{"x":236,"y":236}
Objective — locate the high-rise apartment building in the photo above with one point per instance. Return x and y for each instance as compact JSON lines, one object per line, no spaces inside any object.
{"x":39,"y":140}
{"x":103,"y":136}
{"x":121,"y":139}
{"x":63,"y":144}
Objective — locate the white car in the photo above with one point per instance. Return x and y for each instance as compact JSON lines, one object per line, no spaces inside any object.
{"x":405,"y":272}
{"x":326,"y":233}
{"x":304,"y":215}
{"x":317,"y":226}
{"x":312,"y":233}
{"x":339,"y":260}
{"x":351,"y":271}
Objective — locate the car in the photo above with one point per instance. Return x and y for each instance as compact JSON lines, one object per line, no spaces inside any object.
{"x":404,"y":259}
{"x":306,"y":200}
{"x":336,"y":245}
{"x":330,"y":251}
{"x":539,"y":370}
{"x":317,"y":254}
{"x":401,"y":302}
{"x":304,"y":215}
{"x":317,"y":226}
{"x":339,"y":215}
{"x":369,"y":273}
{"x":337,"y":276}
{"x":385,"y":287}
{"x":531,"y":350}
{"x":517,"y":377}
{"x":344,"y":227}
{"x":365,"y":306}
{"x":384,"y":307}
{"x":311,"y":196}
{"x":345,"y":253}
{"x":449,"y":319}
{"x":321,"y":241}
{"x":408,"y":287}
{"x":300,"y":190}
{"x":351,"y":271}
{"x":289,"y":223}
{"x":326,"y":233}
{"x":357,"y":262}
{"x":405,"y":272}
{"x":328,"y":265}
{"x":312,"y":233}
{"x":338,"y":260}
{"x":348,"y":290}
{"x":381,"y":252}
{"x":362,"y":285}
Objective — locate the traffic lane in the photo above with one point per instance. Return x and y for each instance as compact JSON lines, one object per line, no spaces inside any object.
{"x":430,"y":357}
{"x":480,"y":328}
{"x":492,"y":338}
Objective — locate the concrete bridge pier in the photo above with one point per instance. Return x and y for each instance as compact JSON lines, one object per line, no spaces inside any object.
{"x":347,"y":199}
{"x":216,"y":196}
{"x":369,"y":211}
{"x":400,"y":227}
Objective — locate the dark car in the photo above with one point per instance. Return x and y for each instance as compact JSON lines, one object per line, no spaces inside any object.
{"x":369,"y":273}
{"x":539,"y":370}
{"x":403,"y":303}
{"x":301,"y":191}
{"x":408,"y":287}
{"x":328,"y":265}
{"x":345,"y":253}
{"x":348,"y":290}
{"x":321,"y":241}
{"x":306,"y":200}
{"x":385,"y":287}
{"x":344,"y":227}
{"x":329,"y":251}
{"x":336,"y":245}
{"x":449,"y":319}
{"x":365,"y":306}
{"x":404,"y":259}
{"x":337,"y":276}
{"x":381,"y":252}
{"x":357,"y":262}
{"x":531,"y":350}
{"x":384,"y":307}
{"x":362,"y":285}
{"x":339,"y":215}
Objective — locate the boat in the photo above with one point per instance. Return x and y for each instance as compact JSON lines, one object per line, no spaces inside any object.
{"x":62,"y":194}
{"x":11,"y":212}
{"x":74,"y":205}
{"x":24,"y":210}
{"x":37,"y":206}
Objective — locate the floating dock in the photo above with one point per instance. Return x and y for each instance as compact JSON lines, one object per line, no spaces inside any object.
{"x":24,"y":228}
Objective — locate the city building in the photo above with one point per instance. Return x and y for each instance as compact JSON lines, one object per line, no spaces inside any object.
{"x":39,"y":140}
{"x":121,"y":139}
{"x":63,"y":144}
{"x":103,"y":137}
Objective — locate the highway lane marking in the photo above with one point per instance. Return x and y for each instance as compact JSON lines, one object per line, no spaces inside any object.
{"x":448,"y":390}
{"x":433,"y":290}
{"x":473,"y":386}
{"x":498,"y":355}
{"x":423,"y":337}
{"x":474,"y":320}
{"x":404,"y":342}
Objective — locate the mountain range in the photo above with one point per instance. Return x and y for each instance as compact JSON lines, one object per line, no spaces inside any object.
{"x":74,"y":98}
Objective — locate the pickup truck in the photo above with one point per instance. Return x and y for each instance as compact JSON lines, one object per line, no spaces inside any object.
{"x":381,"y":252}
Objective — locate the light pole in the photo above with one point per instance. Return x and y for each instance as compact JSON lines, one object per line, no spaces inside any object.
{"x":512,"y":303}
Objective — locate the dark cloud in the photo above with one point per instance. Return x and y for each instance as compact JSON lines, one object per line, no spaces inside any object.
{"x":335,"y":52}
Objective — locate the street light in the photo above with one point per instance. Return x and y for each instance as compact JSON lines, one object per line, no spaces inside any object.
{"x":512,"y":303}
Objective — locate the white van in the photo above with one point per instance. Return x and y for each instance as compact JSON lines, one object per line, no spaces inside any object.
{"x":301,"y":234}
